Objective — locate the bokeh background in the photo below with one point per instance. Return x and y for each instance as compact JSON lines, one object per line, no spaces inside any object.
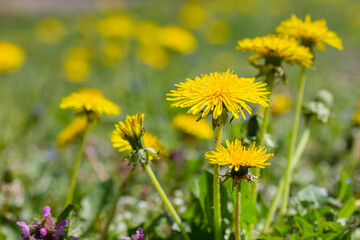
{"x":135,"y":51}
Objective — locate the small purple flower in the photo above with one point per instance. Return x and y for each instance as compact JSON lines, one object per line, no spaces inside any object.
{"x":44,"y":229}
{"x":139,"y":235}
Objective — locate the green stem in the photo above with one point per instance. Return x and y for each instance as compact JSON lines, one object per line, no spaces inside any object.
{"x":77,"y":163}
{"x":256,"y":171}
{"x":113,"y":209}
{"x":216,"y":188}
{"x":294,"y":132}
{"x":165,"y":199}
{"x":275,"y":201}
{"x":238,"y":213}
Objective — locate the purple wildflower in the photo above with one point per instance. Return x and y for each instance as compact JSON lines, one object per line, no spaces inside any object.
{"x":139,"y":235}
{"x":44,"y":229}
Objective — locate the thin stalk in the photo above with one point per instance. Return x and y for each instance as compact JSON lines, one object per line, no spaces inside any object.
{"x":166,"y":201}
{"x":77,"y":163}
{"x":238,"y":212}
{"x":118,"y":195}
{"x":216,"y":187}
{"x":294,"y":132}
{"x":256,"y":171}
{"x":275,"y":201}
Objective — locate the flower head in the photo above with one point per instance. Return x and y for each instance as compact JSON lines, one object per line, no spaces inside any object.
{"x":44,"y":229}
{"x":219,"y":92}
{"x":177,"y":39}
{"x":130,"y":136}
{"x":89,"y":100}
{"x":310,"y":33}
{"x":275,"y":49}
{"x":11,"y":57}
{"x":138,"y":236}
{"x":280,"y":104}
{"x":73,"y":131}
{"x":236,"y":156}
{"x":189,"y":125}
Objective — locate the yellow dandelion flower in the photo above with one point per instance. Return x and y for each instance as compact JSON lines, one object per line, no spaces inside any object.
{"x":188,"y":124}
{"x":150,"y":141}
{"x":154,"y":55}
{"x":236,"y":155}
{"x":218,"y":32}
{"x":131,"y":128}
{"x":11,"y":57}
{"x":356,"y":118}
{"x":310,"y":33}
{"x":116,"y":26}
{"x":73,"y":131}
{"x":177,"y":39}
{"x":146,"y":32}
{"x":50,"y":30}
{"x":275,"y":49}
{"x":218,"y":92}
{"x":112,"y":52}
{"x":280,"y":104}
{"x":89,"y":100}
{"x":193,"y":14}
{"x":76,"y":70}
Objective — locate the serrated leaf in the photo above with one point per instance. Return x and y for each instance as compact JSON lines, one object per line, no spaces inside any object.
{"x":206,"y":193}
{"x":348,"y":209}
{"x":306,"y":229}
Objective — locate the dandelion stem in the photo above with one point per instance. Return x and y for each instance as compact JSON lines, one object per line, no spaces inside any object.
{"x":77,"y":163}
{"x":216,"y":188}
{"x":119,"y":194}
{"x":256,"y":171}
{"x":294,"y":132}
{"x":275,"y":201}
{"x":238,"y":212}
{"x":165,"y":199}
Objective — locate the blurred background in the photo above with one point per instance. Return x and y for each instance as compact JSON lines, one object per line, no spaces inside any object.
{"x":135,"y":51}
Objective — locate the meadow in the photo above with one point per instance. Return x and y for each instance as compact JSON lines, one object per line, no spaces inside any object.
{"x":134,"y":54}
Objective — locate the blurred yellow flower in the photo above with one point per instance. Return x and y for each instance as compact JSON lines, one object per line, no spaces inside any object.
{"x":236,"y":155}
{"x":356,"y":118}
{"x":275,"y":49}
{"x":116,"y":26}
{"x":73,"y":131}
{"x":154,"y":55}
{"x":146,"y":33}
{"x":188,"y":125}
{"x":218,"y":32}
{"x":177,"y":39}
{"x":89,"y":100}
{"x":310,"y":34}
{"x":50,"y":30}
{"x":280,"y":104}
{"x":193,"y":14}
{"x":217,"y":92}
{"x":76,"y":70}
{"x":112,"y":52}
{"x":77,"y":63}
{"x":11,"y":57}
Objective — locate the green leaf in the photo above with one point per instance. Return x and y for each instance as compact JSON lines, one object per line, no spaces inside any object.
{"x":306,"y":229}
{"x":348,"y":209}
{"x":313,"y":196}
{"x":270,"y":237}
{"x":64,"y":215}
{"x":205,"y":197}
{"x":92,"y":204}
{"x":334,"y":226}
{"x":344,"y":189}
{"x":249,"y":211}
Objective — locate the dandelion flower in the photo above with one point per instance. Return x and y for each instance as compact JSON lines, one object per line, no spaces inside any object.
{"x":356,"y":118}
{"x":218,"y":32}
{"x":177,"y":39}
{"x":236,"y":156}
{"x":275,"y":49}
{"x":310,"y":33}
{"x":116,"y":26}
{"x":76,"y":70}
{"x":280,"y":104}
{"x":193,"y":14}
{"x":89,"y":100}
{"x":218,"y":92}
{"x":189,"y":125}
{"x":11,"y":57}
{"x":50,"y":30}
{"x":75,"y":129}
{"x":129,"y":135}
{"x":154,"y":55}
